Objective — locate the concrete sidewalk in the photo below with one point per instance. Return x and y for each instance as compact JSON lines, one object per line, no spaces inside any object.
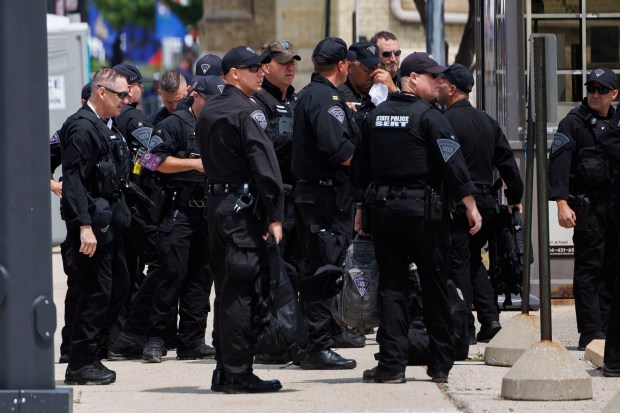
{"x":184,"y":386}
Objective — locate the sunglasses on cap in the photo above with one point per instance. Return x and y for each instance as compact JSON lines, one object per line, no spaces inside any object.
{"x":251,"y":68}
{"x":388,"y":53}
{"x":602,"y":90}
{"x":121,"y":95}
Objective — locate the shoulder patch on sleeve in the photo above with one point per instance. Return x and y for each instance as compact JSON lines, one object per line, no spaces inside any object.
{"x":55,"y":138}
{"x":448,"y":148}
{"x":260,"y":118}
{"x":143,"y":135}
{"x":337,"y":112}
{"x":559,"y":141}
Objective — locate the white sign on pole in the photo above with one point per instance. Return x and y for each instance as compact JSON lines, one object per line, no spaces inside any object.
{"x":56,"y":85}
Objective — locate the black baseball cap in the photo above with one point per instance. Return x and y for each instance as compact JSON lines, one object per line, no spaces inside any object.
{"x":208,"y":85}
{"x":101,"y":220}
{"x":86,"y":90}
{"x":367,"y":53}
{"x":420,"y":62}
{"x":606,"y":77}
{"x":459,"y":76}
{"x":131,"y":72}
{"x":242,"y":56}
{"x":281,"y":51}
{"x":209,"y":64}
{"x":332,"y":49}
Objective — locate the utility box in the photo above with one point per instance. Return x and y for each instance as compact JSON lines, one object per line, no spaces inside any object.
{"x":68,"y":71}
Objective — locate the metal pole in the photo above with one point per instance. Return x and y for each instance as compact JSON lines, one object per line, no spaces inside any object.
{"x":529,"y":192}
{"x":328,"y":15}
{"x":27,"y":311}
{"x":541,"y":186}
{"x":435,"y":41}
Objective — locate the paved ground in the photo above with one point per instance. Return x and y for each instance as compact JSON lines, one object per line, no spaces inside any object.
{"x":184,"y":386}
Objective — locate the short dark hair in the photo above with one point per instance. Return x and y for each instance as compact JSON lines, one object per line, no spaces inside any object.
{"x":170,"y":81}
{"x":322,"y":65}
{"x":382,"y":35}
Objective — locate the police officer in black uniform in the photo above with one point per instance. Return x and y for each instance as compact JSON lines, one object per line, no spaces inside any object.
{"x":485,"y":149}
{"x":95,"y":163}
{"x":71,"y":297}
{"x":610,"y":142}
{"x":323,"y":141}
{"x":141,"y":234}
{"x":245,"y":204}
{"x":580,"y":183}
{"x":172,"y":89}
{"x":407,"y":159}
{"x":365,"y":70}
{"x":182,"y":242}
{"x":277,"y":99}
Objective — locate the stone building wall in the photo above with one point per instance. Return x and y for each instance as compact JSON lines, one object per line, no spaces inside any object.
{"x":228,"y":23}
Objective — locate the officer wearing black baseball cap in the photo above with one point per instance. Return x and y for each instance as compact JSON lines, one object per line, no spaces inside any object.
{"x":243,"y":57}
{"x":579,"y":169}
{"x":365,"y":70}
{"x":460,"y":76}
{"x":485,"y":149}
{"x":183,"y":231}
{"x":410,"y":156}
{"x":239,"y":162}
{"x":209,"y":64}
{"x":323,"y":141}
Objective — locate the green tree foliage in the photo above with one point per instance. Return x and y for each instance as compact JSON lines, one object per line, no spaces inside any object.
{"x":142,"y":12}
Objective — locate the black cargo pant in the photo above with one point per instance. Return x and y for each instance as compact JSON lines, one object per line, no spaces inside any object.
{"x":467,"y":269}
{"x":139,"y":241}
{"x":102,"y":284}
{"x":401,"y":236}
{"x":596,"y":267}
{"x":325,"y":234}
{"x":238,"y":255}
{"x":184,"y":276}
{"x":139,"y":310}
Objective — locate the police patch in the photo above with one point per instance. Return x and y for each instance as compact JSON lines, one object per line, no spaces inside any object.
{"x":205,"y":67}
{"x":55,"y":138}
{"x":260,"y":118}
{"x":144,"y":135}
{"x":221,"y":88}
{"x":448,"y":148}
{"x":559,"y":140}
{"x":337,"y":112}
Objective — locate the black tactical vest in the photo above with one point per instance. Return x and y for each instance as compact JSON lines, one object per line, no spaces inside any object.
{"x":114,"y":166}
{"x":592,"y":169}
{"x":400,"y":155}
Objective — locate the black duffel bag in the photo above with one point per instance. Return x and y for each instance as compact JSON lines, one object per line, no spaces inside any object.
{"x":279,"y":323}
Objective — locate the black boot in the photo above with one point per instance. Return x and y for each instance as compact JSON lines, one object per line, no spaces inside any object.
{"x":218,"y":380}
{"x":249,"y":383}
{"x":85,"y":368}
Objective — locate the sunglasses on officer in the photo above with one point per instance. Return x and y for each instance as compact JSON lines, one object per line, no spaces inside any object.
{"x":602,"y":90}
{"x":433,"y":75}
{"x":388,"y":53}
{"x":251,"y":68}
{"x":121,"y":95}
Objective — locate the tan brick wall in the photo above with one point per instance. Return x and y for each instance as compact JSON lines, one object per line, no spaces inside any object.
{"x":303,"y":24}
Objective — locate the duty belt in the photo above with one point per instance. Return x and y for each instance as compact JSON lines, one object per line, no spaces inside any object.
{"x":482,"y":189}
{"x":386,"y":192}
{"x":322,"y":182}
{"x":237,"y":189}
